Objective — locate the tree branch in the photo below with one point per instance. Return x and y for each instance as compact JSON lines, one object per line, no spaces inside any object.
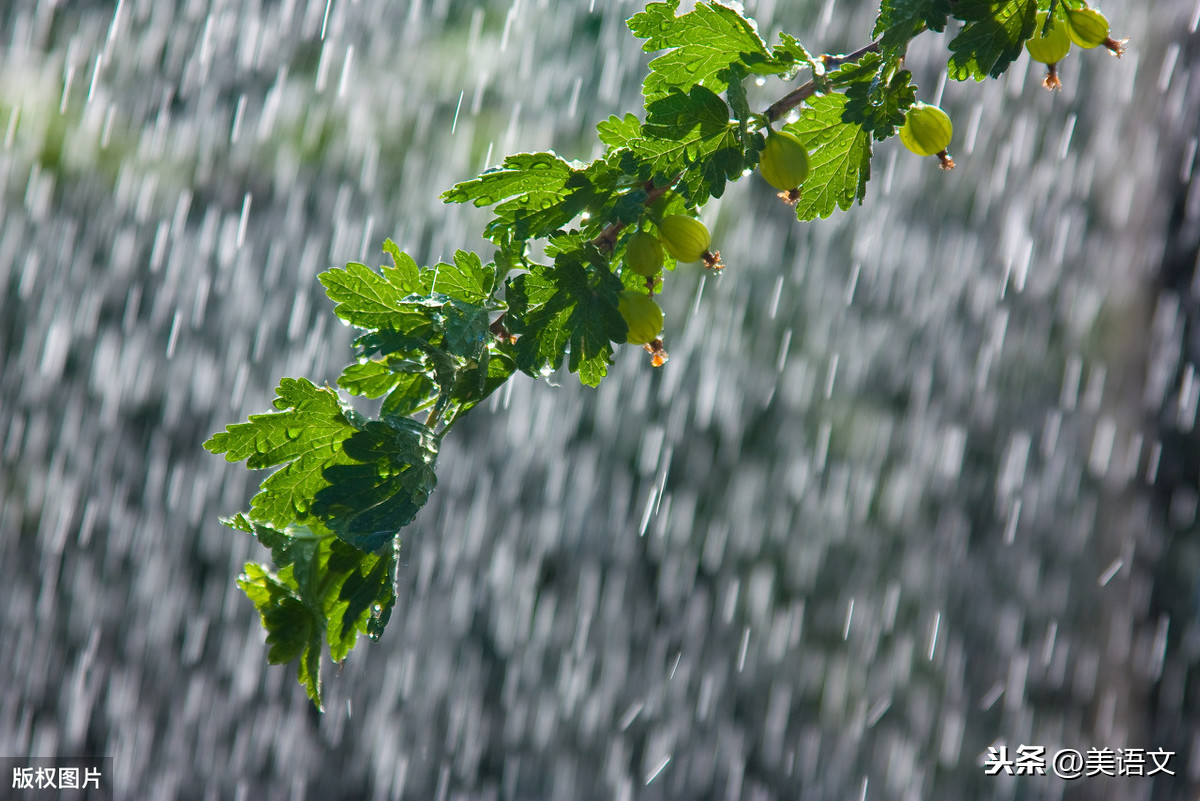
{"x":607,"y":239}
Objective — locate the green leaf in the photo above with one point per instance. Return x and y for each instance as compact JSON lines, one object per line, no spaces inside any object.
{"x":305,"y":437}
{"x":371,"y":379}
{"x":293,"y":630}
{"x":322,"y":587}
{"x":536,"y":194}
{"x":900,"y":20}
{"x":569,"y":308}
{"x":690,"y":136}
{"x":790,"y":53}
{"x":618,"y":132}
{"x":519,"y":174}
{"x":992,"y":37}
{"x":295,"y":546}
{"x":412,"y":393}
{"x":466,"y":330}
{"x":738,"y":102}
{"x":538,"y":214}
{"x":384,"y":482}
{"x":466,"y":279}
{"x":369,"y":300}
{"x":876,"y":105}
{"x":700,"y":44}
{"x":839,"y":157}
{"x":413,"y":354}
{"x":360,"y":597}
{"x":405,"y":274}
{"x":403,"y":381}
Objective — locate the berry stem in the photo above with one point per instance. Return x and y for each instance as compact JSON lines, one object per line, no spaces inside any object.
{"x":1051,"y":80}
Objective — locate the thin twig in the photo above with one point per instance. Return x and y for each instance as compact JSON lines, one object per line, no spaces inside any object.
{"x":809,"y":88}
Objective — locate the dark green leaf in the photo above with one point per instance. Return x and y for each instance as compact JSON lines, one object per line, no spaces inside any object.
{"x":466,"y":330}
{"x":295,"y":546}
{"x":876,"y":105}
{"x":480,"y":380}
{"x":412,"y":393}
{"x":570,"y":307}
{"x":321,"y":588}
{"x":294,"y":632}
{"x":700,"y":44}
{"x":386,"y":479}
{"x":992,"y":37}
{"x":736,"y":93}
{"x":839,"y":157}
{"x":305,"y":436}
{"x":415,"y":354}
{"x":361,"y":594}
{"x":690,"y":135}
{"x":901,"y":20}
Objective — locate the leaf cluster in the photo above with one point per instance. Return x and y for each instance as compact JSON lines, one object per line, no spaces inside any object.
{"x":435,"y":341}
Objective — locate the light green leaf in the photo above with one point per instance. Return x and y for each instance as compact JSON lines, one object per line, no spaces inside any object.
{"x":405,"y":275}
{"x":520,"y":173}
{"x":618,"y":132}
{"x":305,"y":437}
{"x":466,"y":279}
{"x":839,"y":157}
{"x":700,"y":44}
{"x":369,"y":300}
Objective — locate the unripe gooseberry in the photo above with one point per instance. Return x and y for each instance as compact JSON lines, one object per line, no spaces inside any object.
{"x":927,"y":130}
{"x":1052,"y":46}
{"x":784,"y":161}
{"x":644,"y":254}
{"x":685,"y":238}
{"x":1087,"y":27}
{"x":642,"y":316}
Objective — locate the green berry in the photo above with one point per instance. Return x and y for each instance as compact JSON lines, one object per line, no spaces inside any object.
{"x":1087,"y":27}
{"x":644,"y":254}
{"x":927,"y":130}
{"x":642,"y":315}
{"x":1053,"y":46}
{"x":685,"y":238}
{"x":784,"y":161}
